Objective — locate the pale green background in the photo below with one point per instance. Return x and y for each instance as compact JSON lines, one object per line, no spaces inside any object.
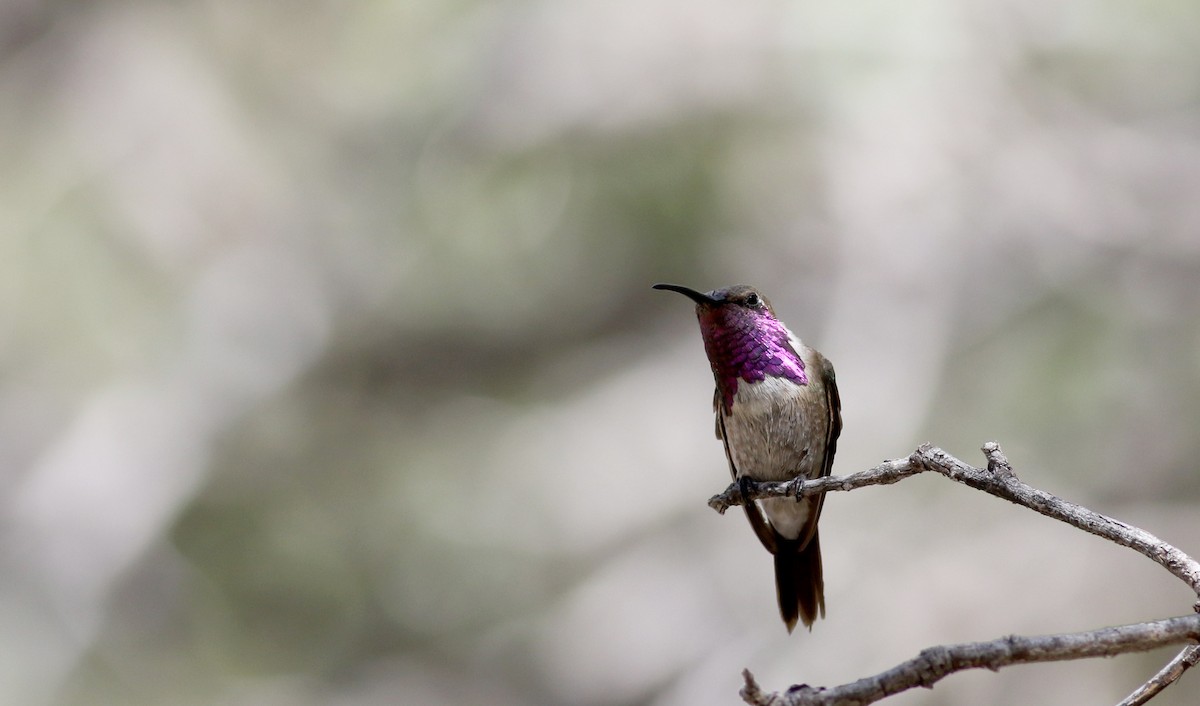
{"x":330,"y":372}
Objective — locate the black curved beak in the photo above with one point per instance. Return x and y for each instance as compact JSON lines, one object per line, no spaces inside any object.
{"x":698,"y":297}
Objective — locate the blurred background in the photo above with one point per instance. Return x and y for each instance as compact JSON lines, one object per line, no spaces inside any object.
{"x":331,"y":373}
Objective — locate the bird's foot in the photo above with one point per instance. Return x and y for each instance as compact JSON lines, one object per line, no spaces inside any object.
{"x":745,"y":483}
{"x":794,"y":486}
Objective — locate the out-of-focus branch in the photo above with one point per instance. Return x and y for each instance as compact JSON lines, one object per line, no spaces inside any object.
{"x":997,"y":479}
{"x":1166,"y":676}
{"x":936,"y":662}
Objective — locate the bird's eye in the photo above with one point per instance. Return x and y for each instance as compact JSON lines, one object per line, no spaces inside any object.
{"x":752,"y":300}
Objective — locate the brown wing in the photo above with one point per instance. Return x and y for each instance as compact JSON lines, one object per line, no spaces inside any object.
{"x":765,"y":533}
{"x":833,"y":402}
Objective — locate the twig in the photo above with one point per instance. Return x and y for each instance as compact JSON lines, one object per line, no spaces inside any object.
{"x":885,"y":473}
{"x":997,"y":479}
{"x":934,"y":663}
{"x":1166,"y":676}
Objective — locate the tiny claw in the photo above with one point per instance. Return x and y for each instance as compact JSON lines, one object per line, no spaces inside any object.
{"x":794,"y":486}
{"x":744,"y":483}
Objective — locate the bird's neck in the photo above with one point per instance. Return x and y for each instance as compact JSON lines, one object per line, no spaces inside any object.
{"x":746,"y":349}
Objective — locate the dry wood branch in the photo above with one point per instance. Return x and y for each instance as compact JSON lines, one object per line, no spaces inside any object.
{"x":935,"y":663}
{"x":1166,"y":676}
{"x":997,"y":479}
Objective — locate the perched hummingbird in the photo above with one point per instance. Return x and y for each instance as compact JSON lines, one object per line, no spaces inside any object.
{"x":779,"y":415}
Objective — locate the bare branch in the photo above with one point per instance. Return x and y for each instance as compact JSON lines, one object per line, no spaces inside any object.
{"x":996,"y":479}
{"x":885,"y":473}
{"x":1166,"y":676}
{"x":932,"y":664}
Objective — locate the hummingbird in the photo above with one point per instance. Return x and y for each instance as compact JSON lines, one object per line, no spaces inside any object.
{"x":779,"y":416}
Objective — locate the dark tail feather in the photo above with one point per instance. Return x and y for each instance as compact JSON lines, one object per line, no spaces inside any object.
{"x":799,"y":581}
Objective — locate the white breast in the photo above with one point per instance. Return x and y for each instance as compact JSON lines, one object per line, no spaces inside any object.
{"x":775,"y":433}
